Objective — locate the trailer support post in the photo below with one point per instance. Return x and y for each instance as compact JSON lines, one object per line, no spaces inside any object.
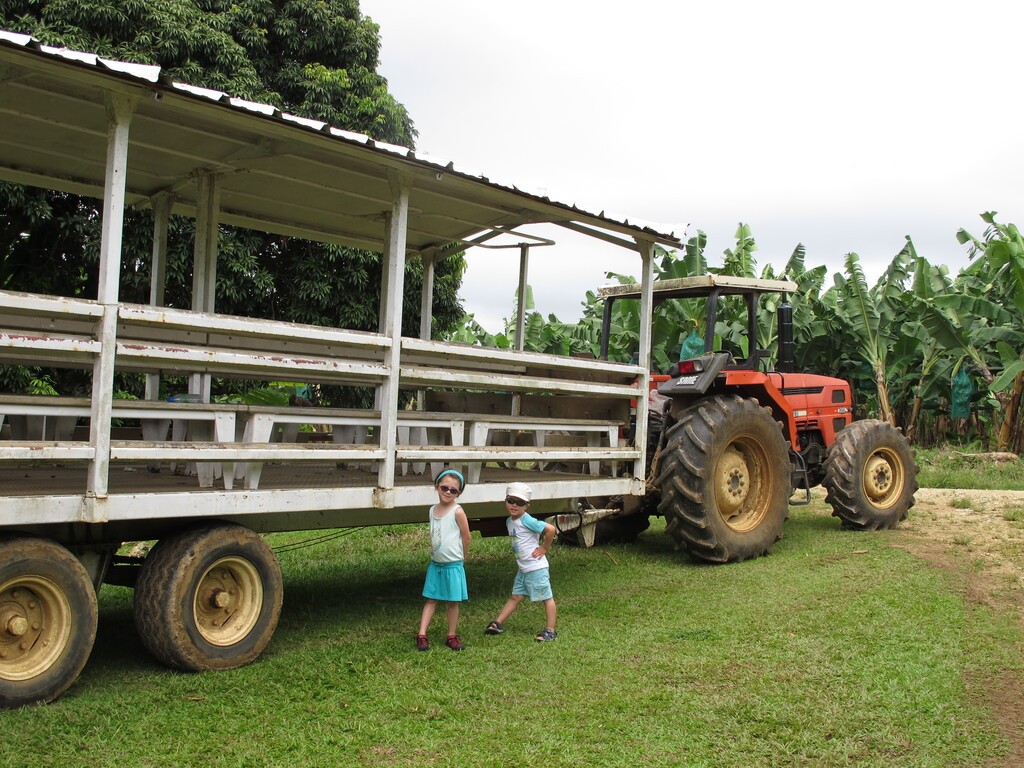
{"x":646,"y":249}
{"x":524,"y":267}
{"x":161,"y":202}
{"x":119,"y":113}
{"x":392,"y":289}
{"x":204,"y":270}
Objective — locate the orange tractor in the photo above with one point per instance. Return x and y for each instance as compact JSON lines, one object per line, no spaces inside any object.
{"x":732,"y":438}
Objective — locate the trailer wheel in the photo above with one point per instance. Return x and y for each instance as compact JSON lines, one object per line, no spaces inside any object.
{"x":48,"y":619}
{"x":870,"y":476}
{"x":724,"y":480}
{"x":208,"y":598}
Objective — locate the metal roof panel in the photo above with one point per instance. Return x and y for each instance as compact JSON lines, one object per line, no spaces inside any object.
{"x":53,"y":134}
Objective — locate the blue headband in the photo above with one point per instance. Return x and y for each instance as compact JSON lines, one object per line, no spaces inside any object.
{"x":462,"y":480}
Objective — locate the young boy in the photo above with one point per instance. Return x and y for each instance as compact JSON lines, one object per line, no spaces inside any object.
{"x":532,"y":579}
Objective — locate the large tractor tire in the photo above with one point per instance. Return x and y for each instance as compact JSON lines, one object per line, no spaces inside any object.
{"x":48,"y":619}
{"x":870,"y":476}
{"x":208,"y":598}
{"x":725,"y":480}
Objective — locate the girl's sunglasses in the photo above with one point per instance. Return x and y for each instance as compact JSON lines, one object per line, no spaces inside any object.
{"x":515,"y":502}
{"x":449,"y":489}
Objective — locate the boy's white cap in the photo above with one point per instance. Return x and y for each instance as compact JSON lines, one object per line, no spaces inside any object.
{"x":519,"y":490}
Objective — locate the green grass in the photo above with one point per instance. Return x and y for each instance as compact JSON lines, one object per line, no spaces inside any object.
{"x":1014,"y":514}
{"x":839,"y":649}
{"x":943,"y":468}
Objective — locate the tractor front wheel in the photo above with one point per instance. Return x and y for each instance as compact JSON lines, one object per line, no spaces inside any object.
{"x":724,"y":480}
{"x":870,"y":476}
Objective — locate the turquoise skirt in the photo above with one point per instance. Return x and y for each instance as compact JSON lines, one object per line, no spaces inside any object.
{"x":446,"y":581}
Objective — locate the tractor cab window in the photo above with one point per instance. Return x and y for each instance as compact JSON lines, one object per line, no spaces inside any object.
{"x":687,"y":323}
{"x":731,"y":328}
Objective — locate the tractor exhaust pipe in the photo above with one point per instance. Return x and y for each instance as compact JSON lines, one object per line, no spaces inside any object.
{"x":787,"y":349}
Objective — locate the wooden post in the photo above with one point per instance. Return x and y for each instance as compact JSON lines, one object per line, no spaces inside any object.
{"x":120,"y":110}
{"x":393,"y":281}
{"x":646,"y":249}
{"x":162,"y":203}
{"x":204,"y":269}
{"x":524,"y":267}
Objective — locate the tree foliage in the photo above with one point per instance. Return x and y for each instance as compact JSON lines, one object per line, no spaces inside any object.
{"x":315,"y":58}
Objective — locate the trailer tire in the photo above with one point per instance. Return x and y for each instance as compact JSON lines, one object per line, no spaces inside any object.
{"x":208,"y":598}
{"x":48,"y":618}
{"x":870,"y":476}
{"x":724,"y":479}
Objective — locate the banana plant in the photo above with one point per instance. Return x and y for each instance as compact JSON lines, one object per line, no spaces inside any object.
{"x":973,"y":328}
{"x":873,"y":316}
{"x":917,"y":349}
{"x":1002,"y":249}
{"x":739,"y":261}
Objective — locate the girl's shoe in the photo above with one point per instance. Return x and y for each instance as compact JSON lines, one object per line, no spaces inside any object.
{"x":422,"y":644}
{"x":547,"y":634}
{"x":494,"y":628}
{"x":454,"y":643}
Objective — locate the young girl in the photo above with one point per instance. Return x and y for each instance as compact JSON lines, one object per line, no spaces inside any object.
{"x":449,"y":543}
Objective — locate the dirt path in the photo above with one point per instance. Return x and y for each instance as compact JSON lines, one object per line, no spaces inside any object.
{"x":979,"y":537}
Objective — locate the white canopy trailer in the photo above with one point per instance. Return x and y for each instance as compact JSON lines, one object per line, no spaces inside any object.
{"x":121,"y":133}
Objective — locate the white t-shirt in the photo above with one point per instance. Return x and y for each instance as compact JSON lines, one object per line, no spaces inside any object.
{"x":526,"y":533}
{"x":445,"y":537}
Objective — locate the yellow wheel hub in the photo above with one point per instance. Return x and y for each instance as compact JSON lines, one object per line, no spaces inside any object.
{"x":228,"y":601}
{"x":35,"y":624}
{"x":742,"y":485}
{"x":883,"y":477}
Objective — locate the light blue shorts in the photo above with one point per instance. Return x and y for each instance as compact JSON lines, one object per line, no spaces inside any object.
{"x":446,"y":581}
{"x":535,"y":584}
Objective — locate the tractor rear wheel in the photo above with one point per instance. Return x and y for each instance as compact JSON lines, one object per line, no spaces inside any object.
{"x":870,"y":476}
{"x":725,"y":480}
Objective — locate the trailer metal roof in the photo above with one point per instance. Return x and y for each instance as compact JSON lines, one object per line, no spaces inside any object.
{"x":280,"y":173}
{"x":697,"y":285}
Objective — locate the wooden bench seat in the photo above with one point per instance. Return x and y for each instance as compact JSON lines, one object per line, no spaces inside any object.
{"x":140,"y":450}
{"x":44,"y":450}
{"x":348,"y":426}
{"x":483,"y":453}
{"x":56,"y":418}
{"x":481,"y":431}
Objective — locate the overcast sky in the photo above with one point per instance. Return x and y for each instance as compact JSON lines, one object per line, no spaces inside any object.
{"x":844,"y":126}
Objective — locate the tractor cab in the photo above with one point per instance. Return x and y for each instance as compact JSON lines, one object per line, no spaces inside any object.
{"x":745,"y":347}
{"x":723,"y":312}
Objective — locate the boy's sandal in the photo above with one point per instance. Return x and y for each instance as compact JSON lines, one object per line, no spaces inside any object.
{"x":547,"y":634}
{"x":494,"y":628}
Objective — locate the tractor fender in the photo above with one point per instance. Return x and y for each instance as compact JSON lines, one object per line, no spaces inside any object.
{"x":697,"y":376}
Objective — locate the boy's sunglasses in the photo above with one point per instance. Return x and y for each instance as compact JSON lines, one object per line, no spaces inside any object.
{"x":449,"y":489}
{"x":515,"y":502}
